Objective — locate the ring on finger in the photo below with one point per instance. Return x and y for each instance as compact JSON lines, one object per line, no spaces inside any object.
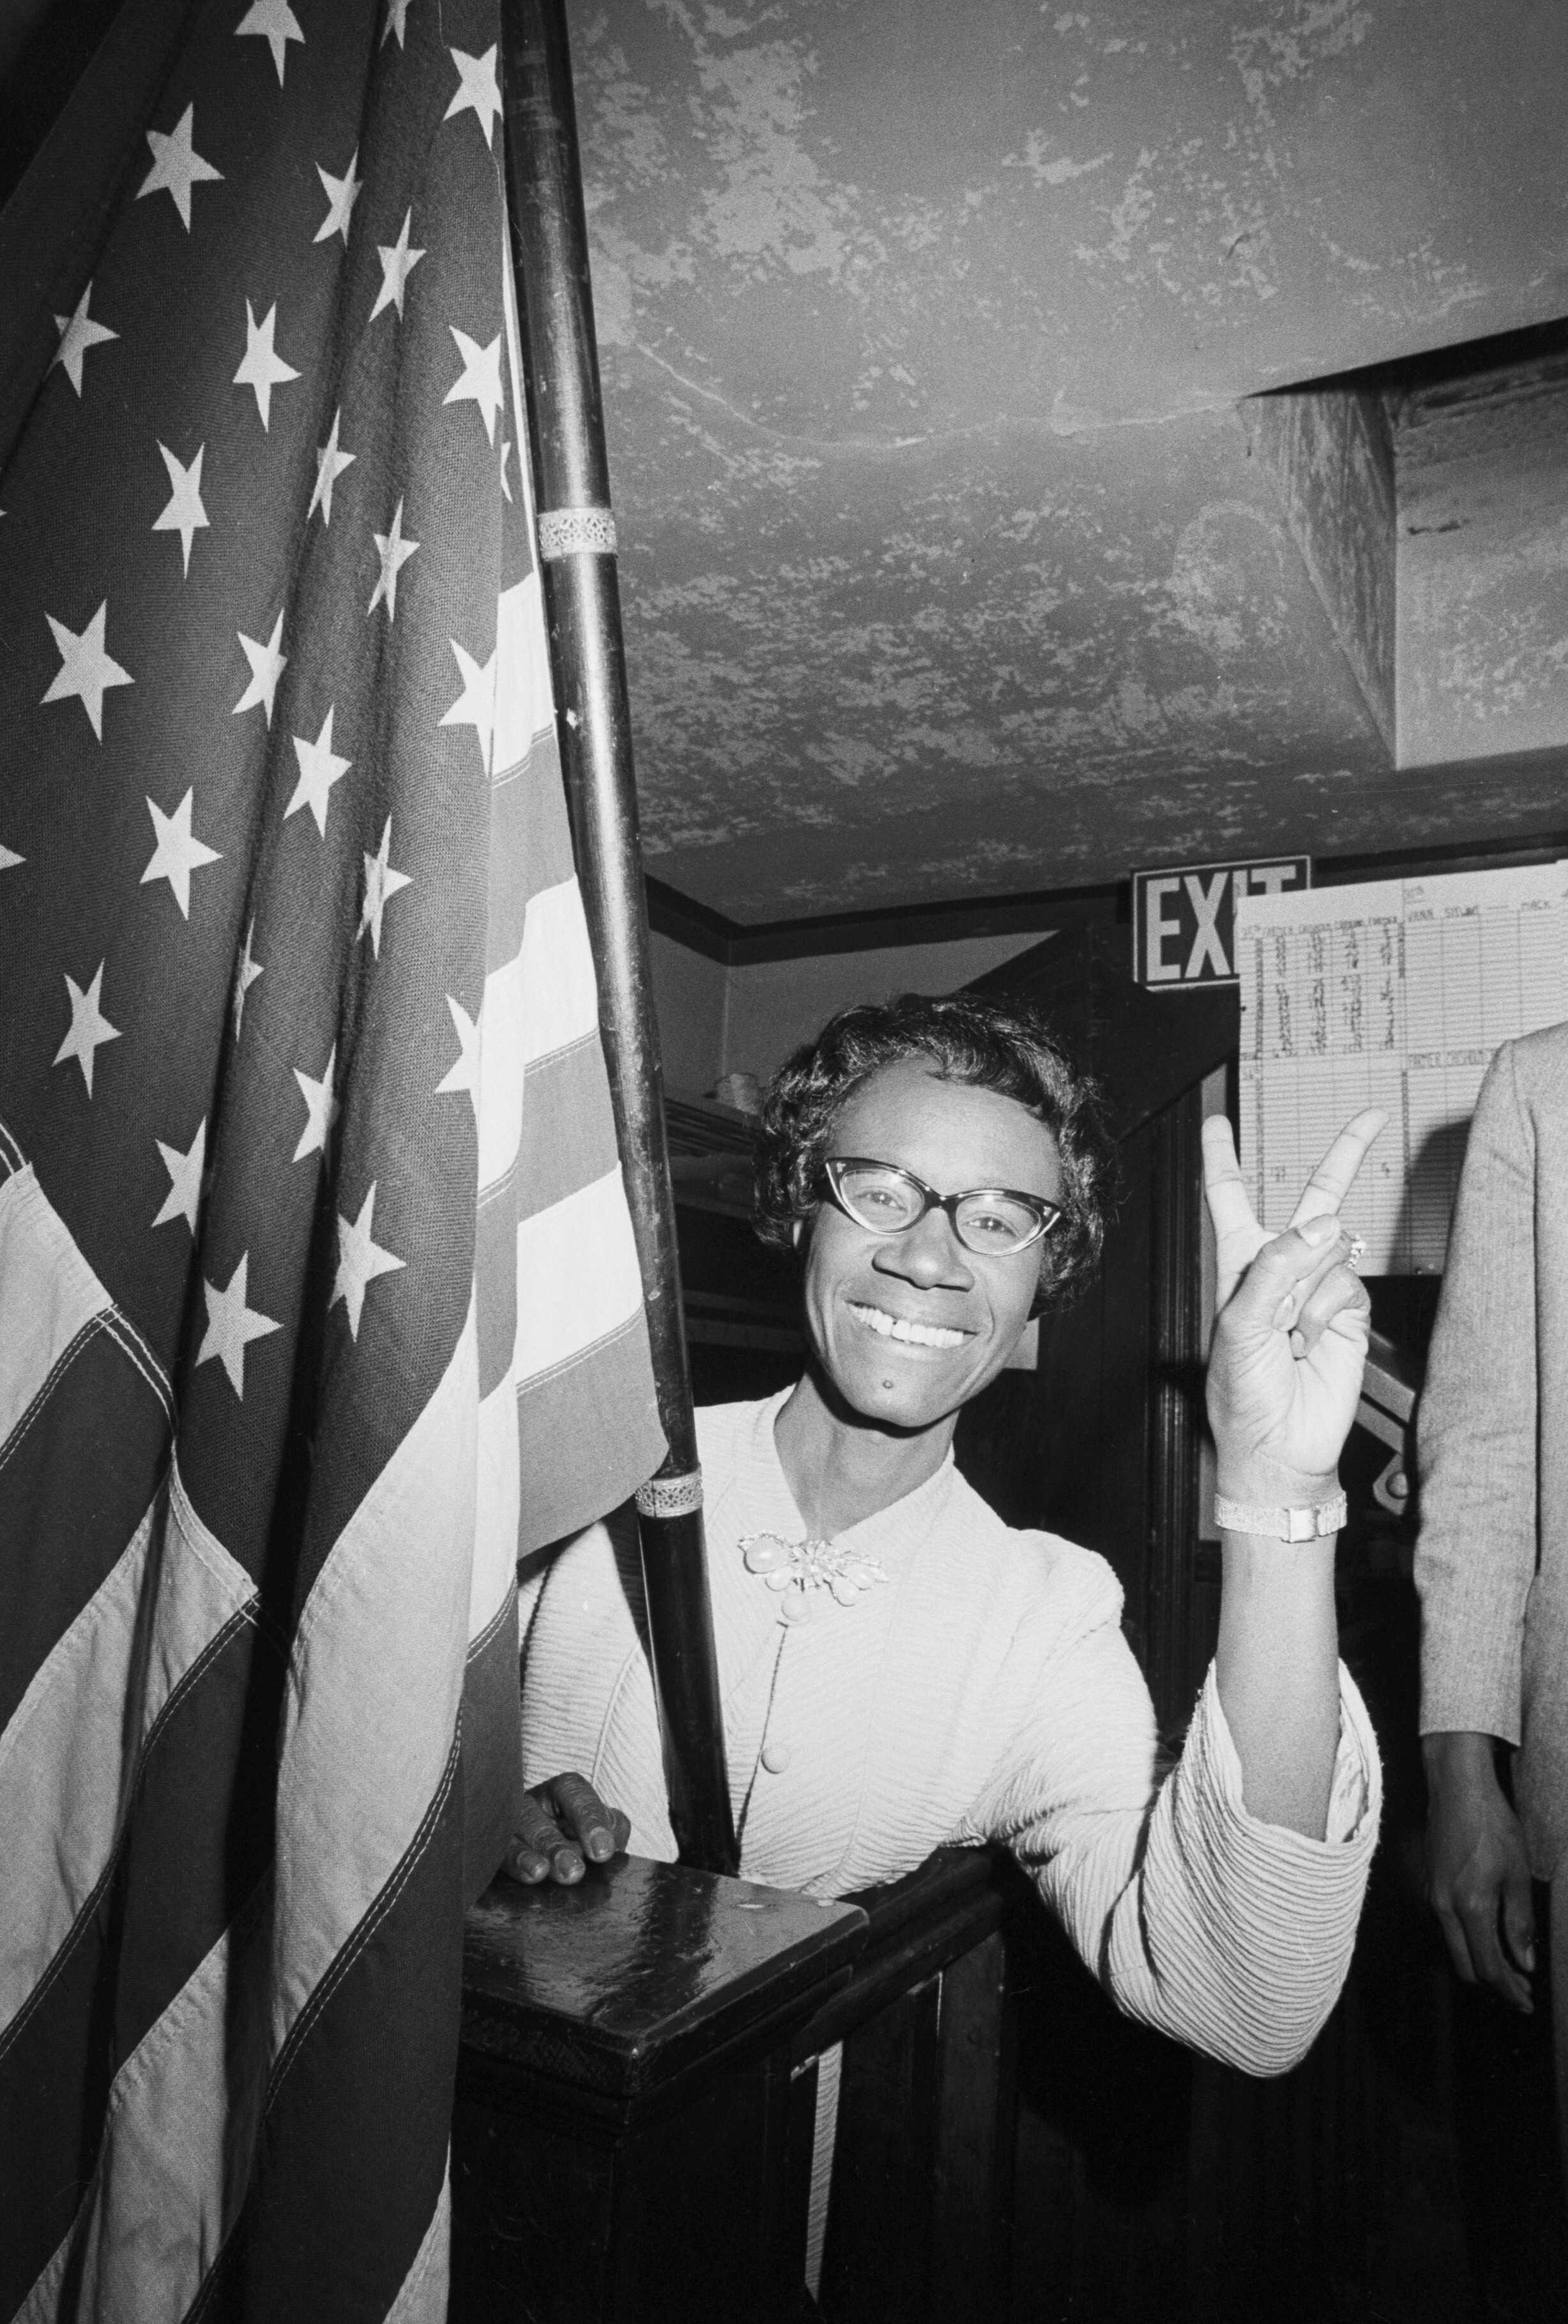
{"x":1357,"y":1251}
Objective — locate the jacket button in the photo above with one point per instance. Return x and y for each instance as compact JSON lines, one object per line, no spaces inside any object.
{"x":776,"y":1758}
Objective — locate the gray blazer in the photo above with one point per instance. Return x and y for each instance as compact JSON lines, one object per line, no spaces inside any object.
{"x":1492,"y":1564}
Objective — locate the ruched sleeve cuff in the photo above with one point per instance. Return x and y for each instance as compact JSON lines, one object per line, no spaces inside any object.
{"x":1243,"y":1933}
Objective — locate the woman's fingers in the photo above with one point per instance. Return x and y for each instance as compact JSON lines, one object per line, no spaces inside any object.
{"x":1287,"y":1272}
{"x":1229,"y":1204}
{"x":563,"y":1825}
{"x":1337,"y":1301}
{"x":1335,"y":1174}
{"x":540,"y":1849}
{"x":1238,"y":1237}
{"x":601,"y":1832}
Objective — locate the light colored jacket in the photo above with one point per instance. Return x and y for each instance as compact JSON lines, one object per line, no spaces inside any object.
{"x":981,"y":1691}
{"x":1492,"y":1564}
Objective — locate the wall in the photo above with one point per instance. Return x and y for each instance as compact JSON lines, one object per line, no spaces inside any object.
{"x":690,"y":996}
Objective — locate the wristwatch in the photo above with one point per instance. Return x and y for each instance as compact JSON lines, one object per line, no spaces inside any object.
{"x":1281,"y":1524}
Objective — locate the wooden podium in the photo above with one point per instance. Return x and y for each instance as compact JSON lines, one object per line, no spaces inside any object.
{"x":637,"y":2100}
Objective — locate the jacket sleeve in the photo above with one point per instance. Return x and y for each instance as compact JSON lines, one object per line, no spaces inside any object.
{"x":1233,"y":1935}
{"x":1476,"y":1429}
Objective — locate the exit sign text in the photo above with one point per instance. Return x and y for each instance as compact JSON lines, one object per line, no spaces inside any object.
{"x":1183,"y":922}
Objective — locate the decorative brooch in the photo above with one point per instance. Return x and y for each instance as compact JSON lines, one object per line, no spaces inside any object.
{"x":794,"y":1568}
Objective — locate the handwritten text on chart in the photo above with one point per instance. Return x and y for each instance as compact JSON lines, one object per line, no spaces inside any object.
{"x":1396,"y":994}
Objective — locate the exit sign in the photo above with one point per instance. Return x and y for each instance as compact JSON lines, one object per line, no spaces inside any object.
{"x":1183,"y":922}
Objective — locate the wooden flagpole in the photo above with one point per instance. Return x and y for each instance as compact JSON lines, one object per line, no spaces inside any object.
{"x":583,"y":609}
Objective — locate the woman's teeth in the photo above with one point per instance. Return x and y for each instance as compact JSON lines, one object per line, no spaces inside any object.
{"x":895,"y":1327}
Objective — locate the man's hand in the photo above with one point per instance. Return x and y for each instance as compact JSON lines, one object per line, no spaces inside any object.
{"x":1291,"y":1338}
{"x":1478,"y":1876}
{"x":563,"y":1826}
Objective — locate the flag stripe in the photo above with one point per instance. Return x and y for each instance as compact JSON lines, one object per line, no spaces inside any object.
{"x":52,"y":1297}
{"x":492,"y":1776}
{"x":577,"y":1276}
{"x":504,"y":1066}
{"x":495,"y":1574}
{"x":196,"y":1848}
{"x":568,"y":1133}
{"x":495,"y":1286}
{"x":558,"y":972}
{"x":73,"y":1489}
{"x":543,"y":1000}
{"x":157,"y":2221}
{"x":569,"y":1138}
{"x":422,"y":2299}
{"x":59,"y":1804}
{"x":374,"y":1689}
{"x":566,"y":1419}
{"x":524,"y":707}
{"x":530,"y":845}
{"x":352,"y":2087}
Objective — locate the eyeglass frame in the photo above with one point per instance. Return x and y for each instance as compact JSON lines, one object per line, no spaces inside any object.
{"x":1048,"y":1215}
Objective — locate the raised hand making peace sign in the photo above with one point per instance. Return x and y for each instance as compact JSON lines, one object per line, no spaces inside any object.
{"x":1285,"y":1372}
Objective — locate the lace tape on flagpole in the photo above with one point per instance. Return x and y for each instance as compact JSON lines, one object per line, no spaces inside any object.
{"x":670,"y":1497}
{"x":574,"y":532}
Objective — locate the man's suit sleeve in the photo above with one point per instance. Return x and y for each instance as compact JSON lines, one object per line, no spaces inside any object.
{"x":1477,"y":1431}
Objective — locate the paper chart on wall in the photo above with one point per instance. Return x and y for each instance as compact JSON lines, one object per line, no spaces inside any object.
{"x":1396,"y":994}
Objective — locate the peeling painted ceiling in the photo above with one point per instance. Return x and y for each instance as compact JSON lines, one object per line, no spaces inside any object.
{"x":948,"y":570}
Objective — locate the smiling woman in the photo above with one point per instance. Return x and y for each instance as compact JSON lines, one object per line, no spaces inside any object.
{"x":899,"y":1669}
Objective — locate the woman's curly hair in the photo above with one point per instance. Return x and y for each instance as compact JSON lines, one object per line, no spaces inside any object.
{"x":993,"y":1044}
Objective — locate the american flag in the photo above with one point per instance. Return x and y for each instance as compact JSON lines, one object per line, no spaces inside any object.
{"x":318,"y":1295}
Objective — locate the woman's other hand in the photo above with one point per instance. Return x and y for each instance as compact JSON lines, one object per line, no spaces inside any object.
{"x":563,"y":1826}
{"x":1290,"y":1341}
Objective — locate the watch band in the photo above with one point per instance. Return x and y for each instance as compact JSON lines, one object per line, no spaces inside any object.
{"x":1278,"y":1523}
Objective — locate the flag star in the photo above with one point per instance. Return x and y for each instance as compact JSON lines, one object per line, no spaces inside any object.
{"x":77,"y":333}
{"x":380,"y":885}
{"x":319,"y":768}
{"x":177,"y":167}
{"x":86,"y":670}
{"x":464,"y":1075}
{"x":231,"y":1325}
{"x":274,"y":22}
{"x":477,"y":90}
{"x":246,"y":971}
{"x":183,"y":1199}
{"x":475,"y":706}
{"x":360,"y":1259}
{"x":262,"y":369}
{"x":330,"y":463}
{"x":178,"y":852}
{"x":89,"y":1027}
{"x":341,"y":193}
{"x":398,"y":261}
{"x":397,"y":16}
{"x":9,"y":859}
{"x":320,"y":1108}
{"x":479,"y":381}
{"x":185,"y":513}
{"x":394,"y":552}
{"x":267,"y":666}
